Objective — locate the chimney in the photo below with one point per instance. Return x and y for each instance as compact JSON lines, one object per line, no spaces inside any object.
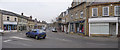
{"x":35,"y":19}
{"x":39,"y":20}
{"x":22,"y":14}
{"x":30,"y":17}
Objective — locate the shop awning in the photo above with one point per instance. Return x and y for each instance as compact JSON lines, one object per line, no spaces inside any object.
{"x":104,"y":19}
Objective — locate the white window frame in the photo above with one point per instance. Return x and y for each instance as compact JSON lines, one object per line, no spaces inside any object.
{"x":115,"y":11}
{"x":92,"y":11}
{"x":103,"y":10}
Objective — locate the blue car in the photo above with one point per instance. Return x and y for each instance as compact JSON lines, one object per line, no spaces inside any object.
{"x":36,"y":33}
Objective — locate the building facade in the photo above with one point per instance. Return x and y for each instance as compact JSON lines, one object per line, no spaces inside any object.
{"x":1,"y":23}
{"x":79,"y":19}
{"x":22,"y":23}
{"x":31,"y":23}
{"x":91,"y":18}
{"x":104,"y":19}
{"x":10,"y":21}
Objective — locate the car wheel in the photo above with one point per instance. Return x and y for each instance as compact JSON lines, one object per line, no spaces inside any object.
{"x":27,"y":35}
{"x":36,"y":37}
{"x":43,"y":37}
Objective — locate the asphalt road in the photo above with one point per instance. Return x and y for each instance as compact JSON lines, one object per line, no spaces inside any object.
{"x":55,"y":40}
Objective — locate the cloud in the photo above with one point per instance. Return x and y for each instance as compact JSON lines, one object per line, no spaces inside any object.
{"x":41,"y":10}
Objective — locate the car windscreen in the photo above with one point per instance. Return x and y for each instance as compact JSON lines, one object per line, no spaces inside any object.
{"x":34,"y":31}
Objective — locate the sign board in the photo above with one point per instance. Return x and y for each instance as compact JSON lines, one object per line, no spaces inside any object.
{"x":8,"y":22}
{"x":104,"y":19}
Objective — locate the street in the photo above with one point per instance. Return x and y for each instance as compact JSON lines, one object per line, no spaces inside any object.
{"x":56,"y":40}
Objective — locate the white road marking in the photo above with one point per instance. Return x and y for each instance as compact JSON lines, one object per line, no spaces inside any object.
{"x":7,"y":40}
{"x":19,"y":38}
{"x":59,"y":39}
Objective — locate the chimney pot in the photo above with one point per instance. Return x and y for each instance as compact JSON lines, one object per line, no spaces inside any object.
{"x":21,"y":13}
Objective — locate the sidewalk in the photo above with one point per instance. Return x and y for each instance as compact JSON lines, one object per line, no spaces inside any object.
{"x":90,"y":38}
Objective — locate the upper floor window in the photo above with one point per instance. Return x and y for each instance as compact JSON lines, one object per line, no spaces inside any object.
{"x":8,"y":18}
{"x":117,"y":10}
{"x":105,"y":11}
{"x":81,"y":14}
{"x":94,"y":11}
{"x":15,"y":19}
{"x":71,"y":16}
{"x":76,"y":13}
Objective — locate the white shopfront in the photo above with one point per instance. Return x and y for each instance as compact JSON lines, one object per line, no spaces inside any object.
{"x":104,"y":25}
{"x":10,"y":26}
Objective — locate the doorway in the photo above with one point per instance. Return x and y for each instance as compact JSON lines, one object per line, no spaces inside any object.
{"x":112,"y":29}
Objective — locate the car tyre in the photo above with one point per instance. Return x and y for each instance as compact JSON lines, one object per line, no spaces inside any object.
{"x":27,"y":35}
{"x":36,"y":37}
{"x":43,"y":37}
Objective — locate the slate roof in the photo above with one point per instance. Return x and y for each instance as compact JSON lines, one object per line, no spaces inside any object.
{"x":12,"y":14}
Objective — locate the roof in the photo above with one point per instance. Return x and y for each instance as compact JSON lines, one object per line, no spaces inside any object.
{"x":12,"y":14}
{"x":103,"y":3}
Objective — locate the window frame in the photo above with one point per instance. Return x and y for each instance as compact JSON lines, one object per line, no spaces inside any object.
{"x":115,"y":10}
{"x":103,"y":11}
{"x":92,"y":11}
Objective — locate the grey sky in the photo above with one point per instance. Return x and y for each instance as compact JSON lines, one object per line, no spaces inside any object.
{"x":41,"y":9}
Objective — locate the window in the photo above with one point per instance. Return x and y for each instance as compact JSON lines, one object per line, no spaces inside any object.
{"x":105,"y":11}
{"x":94,"y":11}
{"x":76,"y":13}
{"x":8,"y":18}
{"x":117,"y":10}
{"x":81,"y":14}
{"x":71,"y":16}
{"x":15,"y":19}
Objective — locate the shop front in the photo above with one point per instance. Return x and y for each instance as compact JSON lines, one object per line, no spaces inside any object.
{"x":77,"y":27}
{"x":105,"y":26}
{"x":10,"y":26}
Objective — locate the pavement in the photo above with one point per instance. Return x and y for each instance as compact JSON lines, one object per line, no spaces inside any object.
{"x":57,"y":40}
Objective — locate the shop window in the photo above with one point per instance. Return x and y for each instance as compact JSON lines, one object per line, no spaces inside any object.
{"x":81,"y":28}
{"x":105,"y":11}
{"x":94,"y":12}
{"x":117,"y":10}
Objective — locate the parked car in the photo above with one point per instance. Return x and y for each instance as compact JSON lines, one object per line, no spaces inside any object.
{"x":54,"y":30}
{"x":36,"y":33}
{"x":1,"y":31}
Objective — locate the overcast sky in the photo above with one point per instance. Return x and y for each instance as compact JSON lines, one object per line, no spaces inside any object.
{"x":41,"y":9}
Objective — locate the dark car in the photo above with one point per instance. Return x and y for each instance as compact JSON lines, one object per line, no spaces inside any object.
{"x":36,"y":33}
